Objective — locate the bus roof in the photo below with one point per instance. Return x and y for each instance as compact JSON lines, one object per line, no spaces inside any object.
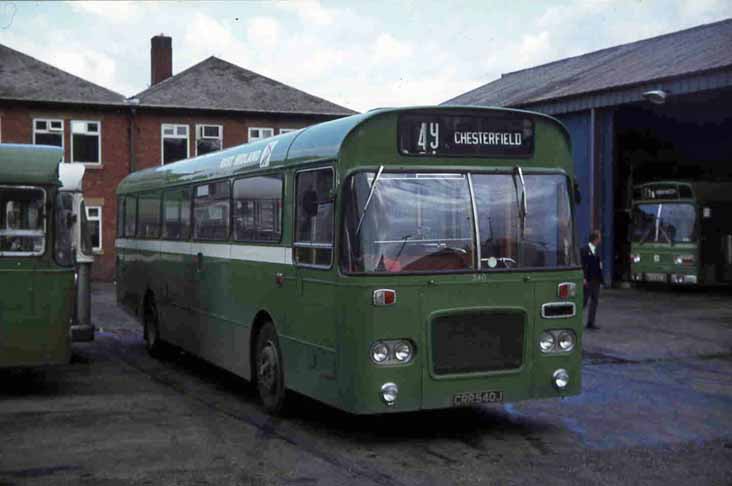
{"x":29,"y":164}
{"x":323,"y":141}
{"x":71,"y":176}
{"x":702,"y":191}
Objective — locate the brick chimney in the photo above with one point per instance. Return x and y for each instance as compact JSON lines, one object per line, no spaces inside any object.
{"x":161,"y":58}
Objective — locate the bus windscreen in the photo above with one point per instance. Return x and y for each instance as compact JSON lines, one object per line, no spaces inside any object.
{"x":21,"y":221}
{"x":417,"y":222}
{"x":664,"y":223}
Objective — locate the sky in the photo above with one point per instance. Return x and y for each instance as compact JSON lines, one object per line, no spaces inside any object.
{"x":359,"y":54}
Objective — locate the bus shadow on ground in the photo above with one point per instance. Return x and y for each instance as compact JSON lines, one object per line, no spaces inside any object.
{"x":30,"y":382}
{"x":670,"y":290}
{"x":468,"y":425}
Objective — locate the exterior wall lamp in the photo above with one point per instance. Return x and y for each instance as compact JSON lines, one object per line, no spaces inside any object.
{"x":656,"y":96}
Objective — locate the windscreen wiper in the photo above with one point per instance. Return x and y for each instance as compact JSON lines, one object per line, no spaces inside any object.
{"x":665,"y":234}
{"x":523,"y":203}
{"x":368,"y":199}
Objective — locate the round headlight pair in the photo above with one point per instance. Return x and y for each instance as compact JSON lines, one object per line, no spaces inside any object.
{"x":398,"y":351}
{"x":557,"y":341}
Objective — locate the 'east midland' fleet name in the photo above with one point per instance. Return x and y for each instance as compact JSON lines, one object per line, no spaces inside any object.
{"x":487,"y":138}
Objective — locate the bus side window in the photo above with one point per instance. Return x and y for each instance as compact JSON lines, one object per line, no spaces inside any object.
{"x":120,"y":217}
{"x":211,"y":211}
{"x":177,"y":214}
{"x":148,"y":215}
{"x":130,"y":208}
{"x":314,"y":217}
{"x":257,"y":210}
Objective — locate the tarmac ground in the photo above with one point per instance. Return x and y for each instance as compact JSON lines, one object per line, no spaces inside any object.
{"x":656,"y":408}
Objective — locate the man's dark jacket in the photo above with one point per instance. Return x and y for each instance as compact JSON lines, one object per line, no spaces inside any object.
{"x":591,"y":264}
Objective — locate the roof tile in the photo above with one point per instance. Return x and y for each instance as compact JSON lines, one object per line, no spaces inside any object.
{"x":214,"y":84}
{"x":702,"y":48}
{"x":23,"y":77}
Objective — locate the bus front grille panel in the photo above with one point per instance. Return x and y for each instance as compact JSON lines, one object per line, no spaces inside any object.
{"x":477,"y":342}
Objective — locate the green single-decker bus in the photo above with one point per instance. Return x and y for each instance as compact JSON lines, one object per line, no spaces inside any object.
{"x":681,"y":233}
{"x":37,"y":273}
{"x":396,"y":260}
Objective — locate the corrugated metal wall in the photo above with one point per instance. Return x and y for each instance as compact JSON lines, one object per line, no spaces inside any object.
{"x":595,"y":178}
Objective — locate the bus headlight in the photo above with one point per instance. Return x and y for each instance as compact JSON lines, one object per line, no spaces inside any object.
{"x":388,"y":352}
{"x":566,"y":340}
{"x":379,"y":352}
{"x":557,"y":341}
{"x":684,"y":259}
{"x":403,"y":351}
{"x":546,"y":342}
{"x":635,"y":258}
{"x":561,"y":379}
{"x":389,"y":393}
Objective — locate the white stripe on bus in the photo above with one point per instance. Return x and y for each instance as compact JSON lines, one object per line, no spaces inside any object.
{"x":251,"y":253}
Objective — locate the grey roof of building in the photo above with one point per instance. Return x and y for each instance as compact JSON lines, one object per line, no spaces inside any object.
{"x":23,"y":77}
{"x":699,"y":49}
{"x":214,"y":84}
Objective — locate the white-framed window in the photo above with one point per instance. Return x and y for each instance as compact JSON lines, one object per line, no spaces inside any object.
{"x":209,"y":138}
{"x":48,"y":132}
{"x":288,"y":130}
{"x":174,"y":143}
{"x":259,"y":133}
{"x":86,"y":141}
{"x":94,"y":225}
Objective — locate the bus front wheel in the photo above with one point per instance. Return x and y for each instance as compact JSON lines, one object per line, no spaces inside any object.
{"x":270,"y":377}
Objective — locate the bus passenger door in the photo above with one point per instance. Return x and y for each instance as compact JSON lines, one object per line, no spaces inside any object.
{"x":311,"y":350}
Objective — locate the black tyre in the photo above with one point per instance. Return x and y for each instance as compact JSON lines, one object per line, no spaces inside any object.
{"x":154,"y":345}
{"x":268,"y":370}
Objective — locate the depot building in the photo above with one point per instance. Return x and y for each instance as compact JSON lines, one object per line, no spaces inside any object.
{"x":656,"y":109}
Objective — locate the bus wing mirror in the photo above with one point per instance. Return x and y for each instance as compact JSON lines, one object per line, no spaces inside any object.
{"x":577,"y":193}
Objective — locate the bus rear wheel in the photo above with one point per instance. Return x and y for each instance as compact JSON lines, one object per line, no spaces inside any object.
{"x":155,"y":347}
{"x":270,"y":378}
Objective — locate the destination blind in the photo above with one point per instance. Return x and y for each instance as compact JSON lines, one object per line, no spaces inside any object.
{"x":469,"y":135}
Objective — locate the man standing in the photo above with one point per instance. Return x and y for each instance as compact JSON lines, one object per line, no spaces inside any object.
{"x":592,"y":268}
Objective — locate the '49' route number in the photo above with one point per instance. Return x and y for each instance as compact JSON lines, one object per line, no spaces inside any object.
{"x":429,"y":135}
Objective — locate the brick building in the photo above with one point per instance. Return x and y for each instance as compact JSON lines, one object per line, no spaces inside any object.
{"x":211,"y":105}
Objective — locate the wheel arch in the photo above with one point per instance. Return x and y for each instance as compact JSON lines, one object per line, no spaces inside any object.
{"x":147,"y":296}
{"x":262,"y":317}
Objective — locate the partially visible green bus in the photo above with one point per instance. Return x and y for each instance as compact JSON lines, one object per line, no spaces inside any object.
{"x":36,"y":258}
{"x":401,"y":259}
{"x":681,"y":233}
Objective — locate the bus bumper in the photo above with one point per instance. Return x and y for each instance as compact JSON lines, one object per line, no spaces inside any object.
{"x":536,"y":382}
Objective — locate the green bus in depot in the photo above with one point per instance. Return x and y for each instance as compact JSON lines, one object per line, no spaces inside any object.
{"x":396,"y":260}
{"x":682,"y":233}
{"x":36,"y":258}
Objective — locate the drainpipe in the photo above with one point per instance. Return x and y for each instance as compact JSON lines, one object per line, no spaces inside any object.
{"x":133,"y":103}
{"x":593,"y":164}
